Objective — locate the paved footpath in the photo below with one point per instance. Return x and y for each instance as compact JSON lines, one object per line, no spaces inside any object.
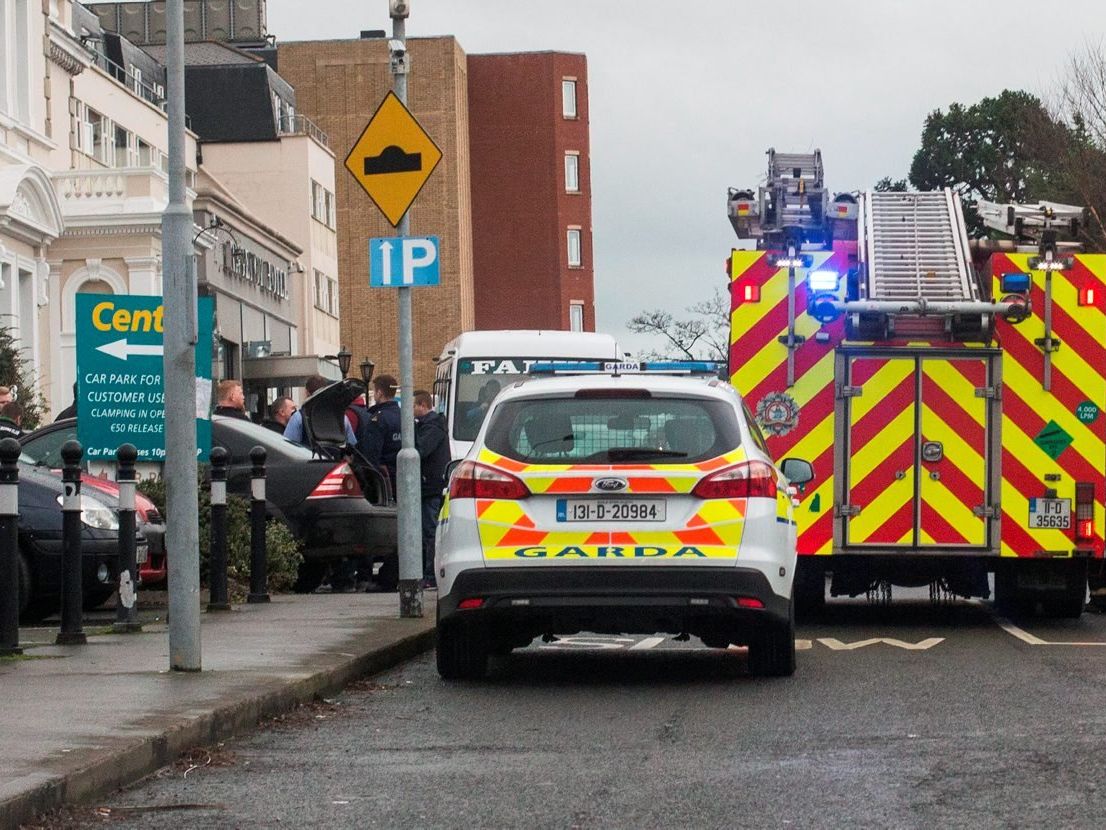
{"x":80,"y":721}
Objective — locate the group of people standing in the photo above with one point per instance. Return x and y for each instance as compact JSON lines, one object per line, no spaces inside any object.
{"x":374,"y":430}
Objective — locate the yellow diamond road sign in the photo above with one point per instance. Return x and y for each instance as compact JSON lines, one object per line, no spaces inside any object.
{"x":393,"y":158}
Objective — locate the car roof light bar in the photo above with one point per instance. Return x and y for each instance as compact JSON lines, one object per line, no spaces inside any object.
{"x":628,"y":367}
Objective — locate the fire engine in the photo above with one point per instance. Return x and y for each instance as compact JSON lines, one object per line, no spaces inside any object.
{"x":949,"y":391}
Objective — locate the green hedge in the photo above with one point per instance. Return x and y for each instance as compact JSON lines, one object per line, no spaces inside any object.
{"x":282,"y":547}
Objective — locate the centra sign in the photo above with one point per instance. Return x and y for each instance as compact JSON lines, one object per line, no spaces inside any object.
{"x":120,"y":389}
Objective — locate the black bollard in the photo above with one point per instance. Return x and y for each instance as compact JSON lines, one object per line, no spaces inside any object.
{"x":9,"y":548}
{"x":126,"y":607}
{"x":259,"y":564}
{"x":217,"y":562}
{"x":72,"y":589}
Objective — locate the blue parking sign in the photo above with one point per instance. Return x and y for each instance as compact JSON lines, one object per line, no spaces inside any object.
{"x":404,"y":261}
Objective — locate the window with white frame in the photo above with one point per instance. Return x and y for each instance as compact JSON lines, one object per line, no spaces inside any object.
{"x":15,"y":63}
{"x":326,"y":293}
{"x":568,"y":97}
{"x":320,"y":290}
{"x":575,"y":316}
{"x":572,"y":172}
{"x":331,"y":210}
{"x":574,"y":256}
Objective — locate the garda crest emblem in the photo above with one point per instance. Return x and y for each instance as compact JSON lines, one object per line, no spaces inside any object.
{"x":777,"y":413}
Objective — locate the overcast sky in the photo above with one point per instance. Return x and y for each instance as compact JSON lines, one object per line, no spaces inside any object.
{"x":687,"y":96}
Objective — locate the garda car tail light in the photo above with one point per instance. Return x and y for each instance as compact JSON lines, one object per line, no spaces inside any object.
{"x":1084,"y":511}
{"x":479,"y":481}
{"x":469,"y":603}
{"x":750,"y":479}
{"x":338,"y":483}
{"x":749,"y":602}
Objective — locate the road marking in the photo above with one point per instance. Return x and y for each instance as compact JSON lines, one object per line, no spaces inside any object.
{"x":648,"y":642}
{"x":1032,"y":639}
{"x":836,"y":645}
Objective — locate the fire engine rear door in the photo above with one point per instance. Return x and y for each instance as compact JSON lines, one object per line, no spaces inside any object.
{"x":916,"y":456}
{"x":881,"y":451}
{"x":953,"y":453}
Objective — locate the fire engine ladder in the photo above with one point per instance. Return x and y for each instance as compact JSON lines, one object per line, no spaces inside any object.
{"x":917,"y":264}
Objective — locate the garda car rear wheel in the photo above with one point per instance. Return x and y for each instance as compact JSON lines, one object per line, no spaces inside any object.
{"x":309,"y":577}
{"x":462,"y":651}
{"x":772,"y":652}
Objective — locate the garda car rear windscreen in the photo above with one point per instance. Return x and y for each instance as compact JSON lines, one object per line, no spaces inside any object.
{"x":613,"y":430}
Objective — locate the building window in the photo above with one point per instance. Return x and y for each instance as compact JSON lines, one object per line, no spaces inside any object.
{"x":323,"y":207}
{"x":122,"y":147}
{"x":575,"y":316}
{"x":326,"y":293}
{"x":568,"y":97}
{"x":15,"y":68}
{"x":574,"y":260}
{"x":572,"y":172}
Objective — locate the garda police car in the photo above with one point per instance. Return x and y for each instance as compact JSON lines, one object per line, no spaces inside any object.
{"x":617,"y":498}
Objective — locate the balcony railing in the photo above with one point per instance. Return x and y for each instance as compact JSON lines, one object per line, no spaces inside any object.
{"x":301,"y":125}
{"x":154,"y":94}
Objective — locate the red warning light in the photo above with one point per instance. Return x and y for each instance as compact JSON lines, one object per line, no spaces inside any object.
{"x":1088,"y":295}
{"x":750,"y":293}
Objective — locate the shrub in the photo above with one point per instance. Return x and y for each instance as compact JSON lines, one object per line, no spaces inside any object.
{"x":19,"y":375}
{"x":281,"y":546}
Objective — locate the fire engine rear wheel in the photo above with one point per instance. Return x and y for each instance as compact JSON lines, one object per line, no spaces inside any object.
{"x":1069,"y":602}
{"x":772,"y":652}
{"x":1009,"y":600}
{"x":462,"y":651}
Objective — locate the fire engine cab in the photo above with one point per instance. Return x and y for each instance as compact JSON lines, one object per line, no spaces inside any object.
{"x":948,"y":390}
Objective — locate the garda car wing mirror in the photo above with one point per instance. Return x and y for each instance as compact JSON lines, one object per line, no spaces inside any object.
{"x":797,"y":471}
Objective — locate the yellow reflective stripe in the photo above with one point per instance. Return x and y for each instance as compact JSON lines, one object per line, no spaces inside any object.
{"x":953,"y":510}
{"x":1028,"y":388}
{"x":875,"y":452}
{"x":889,"y":502}
{"x":879,"y":386}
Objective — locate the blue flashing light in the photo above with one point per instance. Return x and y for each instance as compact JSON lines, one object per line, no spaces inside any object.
{"x":1016,"y":283}
{"x":823,"y":280}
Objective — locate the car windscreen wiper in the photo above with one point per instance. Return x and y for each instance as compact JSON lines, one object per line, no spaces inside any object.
{"x":639,"y":453}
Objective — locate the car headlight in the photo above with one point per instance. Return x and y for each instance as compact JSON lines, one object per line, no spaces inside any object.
{"x":94,"y":513}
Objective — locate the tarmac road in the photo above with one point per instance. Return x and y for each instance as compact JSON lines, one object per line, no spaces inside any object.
{"x":902,"y":716}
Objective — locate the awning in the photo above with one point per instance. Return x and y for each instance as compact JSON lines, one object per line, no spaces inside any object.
{"x":287,"y":370}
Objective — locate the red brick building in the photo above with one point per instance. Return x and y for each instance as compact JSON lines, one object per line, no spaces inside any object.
{"x":531,"y":191}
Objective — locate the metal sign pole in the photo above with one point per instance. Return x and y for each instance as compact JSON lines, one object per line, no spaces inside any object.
{"x":182,"y":507}
{"x":408,"y":486}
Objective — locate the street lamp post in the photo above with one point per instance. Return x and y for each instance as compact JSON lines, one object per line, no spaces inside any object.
{"x":367,"y":369}
{"x":345,"y":357}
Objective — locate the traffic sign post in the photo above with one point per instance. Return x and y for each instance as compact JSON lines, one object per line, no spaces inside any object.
{"x":120,"y":387}
{"x":392,"y":160}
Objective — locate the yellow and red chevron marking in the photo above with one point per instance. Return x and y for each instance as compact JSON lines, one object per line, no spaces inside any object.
{"x":758,"y":366}
{"x":508,"y":532}
{"x":654,"y":479}
{"x":956,"y":418}
{"x":1078,"y":376}
{"x":882,"y":446}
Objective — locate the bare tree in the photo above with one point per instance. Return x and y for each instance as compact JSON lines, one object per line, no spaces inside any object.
{"x":1079,"y":103}
{"x":703,"y":335}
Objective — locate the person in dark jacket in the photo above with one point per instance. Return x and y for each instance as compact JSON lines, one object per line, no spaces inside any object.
{"x":280,"y":412}
{"x":432,"y":442}
{"x":11,"y":420}
{"x":231,"y":401}
{"x":70,"y":411}
{"x":378,"y":439}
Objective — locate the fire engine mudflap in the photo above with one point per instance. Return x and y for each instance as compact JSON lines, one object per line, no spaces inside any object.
{"x":953,"y":406}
